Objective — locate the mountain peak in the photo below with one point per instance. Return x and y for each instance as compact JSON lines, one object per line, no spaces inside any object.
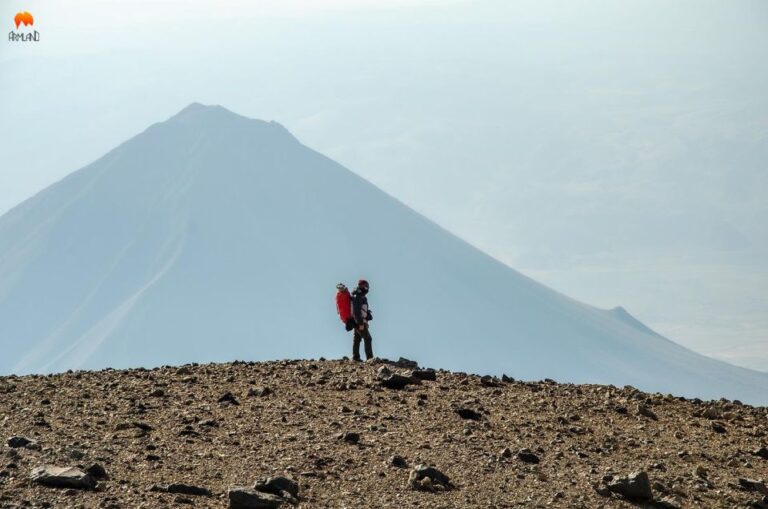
{"x":197,"y":108}
{"x":218,"y":117}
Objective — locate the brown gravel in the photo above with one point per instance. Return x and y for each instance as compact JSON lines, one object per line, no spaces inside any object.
{"x":219,"y":426}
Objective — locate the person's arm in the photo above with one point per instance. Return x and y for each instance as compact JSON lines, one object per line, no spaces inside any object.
{"x":357,"y":309}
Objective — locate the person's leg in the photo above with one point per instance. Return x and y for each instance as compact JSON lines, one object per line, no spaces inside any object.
{"x":356,"y":345}
{"x":368,"y":346}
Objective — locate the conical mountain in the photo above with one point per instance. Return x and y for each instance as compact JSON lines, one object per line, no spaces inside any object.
{"x":212,"y":237}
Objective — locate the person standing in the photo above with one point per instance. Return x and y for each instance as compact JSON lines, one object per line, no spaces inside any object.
{"x":362,"y":315}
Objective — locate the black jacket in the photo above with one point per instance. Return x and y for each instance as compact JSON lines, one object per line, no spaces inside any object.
{"x":360,"y":307}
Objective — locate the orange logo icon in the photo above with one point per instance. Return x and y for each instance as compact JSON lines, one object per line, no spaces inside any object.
{"x":25,"y":18}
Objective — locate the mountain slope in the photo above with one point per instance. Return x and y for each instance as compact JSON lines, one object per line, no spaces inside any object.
{"x":211,"y":236}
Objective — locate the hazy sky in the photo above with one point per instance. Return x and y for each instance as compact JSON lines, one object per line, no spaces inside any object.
{"x":616,"y":151}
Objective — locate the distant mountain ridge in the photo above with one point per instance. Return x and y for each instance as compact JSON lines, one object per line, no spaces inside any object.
{"x":212,"y":236}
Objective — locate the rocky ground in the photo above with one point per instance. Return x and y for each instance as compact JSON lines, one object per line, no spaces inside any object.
{"x":362,"y":435}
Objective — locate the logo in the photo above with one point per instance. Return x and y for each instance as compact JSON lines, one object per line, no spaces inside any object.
{"x":26,"y":19}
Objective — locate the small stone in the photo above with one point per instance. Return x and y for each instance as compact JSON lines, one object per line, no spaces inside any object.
{"x":424,"y":374}
{"x":753,"y":485}
{"x":277,"y":486}
{"x":670,"y":502}
{"x":23,"y":442}
{"x":718,"y":427}
{"x":468,"y":413}
{"x":260,"y":392}
{"x":436,"y":477}
{"x":761,"y":452}
{"x":645,"y":411}
{"x":351,"y":437}
{"x":526,"y":456}
{"x":228,"y":398}
{"x":247,"y":498}
{"x":635,"y":486}
{"x":402,"y":362}
{"x":62,"y":477}
{"x":76,"y":454}
{"x":506,"y":453}
{"x":187,"y":489}
{"x":97,"y":471}
{"x":488,"y":381}
{"x":394,"y":380}
{"x":398,"y":461}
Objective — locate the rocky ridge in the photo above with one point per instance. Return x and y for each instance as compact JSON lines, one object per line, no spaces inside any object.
{"x":307,"y":433}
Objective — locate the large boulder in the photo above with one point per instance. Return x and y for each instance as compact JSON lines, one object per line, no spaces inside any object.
{"x":62,"y":477}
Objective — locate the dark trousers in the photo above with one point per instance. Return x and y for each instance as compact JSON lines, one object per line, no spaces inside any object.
{"x":365,"y":335}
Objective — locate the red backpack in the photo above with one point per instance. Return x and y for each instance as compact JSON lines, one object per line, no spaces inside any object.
{"x":344,"y":304}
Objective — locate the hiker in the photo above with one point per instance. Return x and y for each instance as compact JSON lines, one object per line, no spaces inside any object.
{"x":362,"y":315}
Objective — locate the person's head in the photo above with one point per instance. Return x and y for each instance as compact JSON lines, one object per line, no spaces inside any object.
{"x":341,"y":287}
{"x":363,"y":286}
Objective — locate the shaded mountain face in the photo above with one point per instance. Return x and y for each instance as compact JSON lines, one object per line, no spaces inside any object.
{"x":211,"y":237}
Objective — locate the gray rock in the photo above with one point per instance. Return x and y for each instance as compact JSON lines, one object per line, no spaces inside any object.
{"x":428,"y":478}
{"x":187,"y":489}
{"x":394,"y":380}
{"x":718,"y":427}
{"x":402,"y":362}
{"x":635,"y":486}
{"x":468,"y":413}
{"x":424,"y":374}
{"x":752,"y":485}
{"x":277,"y":486}
{"x":97,"y":471}
{"x":247,"y":498}
{"x":76,"y":454}
{"x":398,"y":461}
{"x":23,"y":442}
{"x":351,"y":437}
{"x":62,"y":477}
{"x":670,"y":502}
{"x":527,"y":456}
{"x":228,"y":398}
{"x":260,"y":392}
{"x":645,"y":411}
